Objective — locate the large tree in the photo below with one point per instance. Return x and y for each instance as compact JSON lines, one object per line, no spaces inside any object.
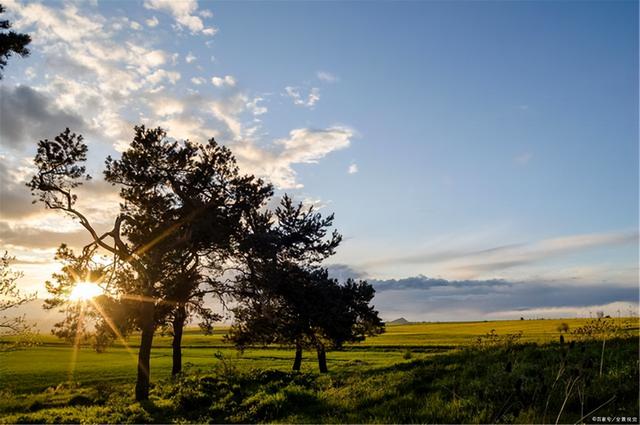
{"x":176,"y":197}
{"x":11,"y":42}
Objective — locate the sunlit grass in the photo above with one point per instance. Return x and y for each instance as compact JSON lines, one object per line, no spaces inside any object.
{"x":36,"y":368}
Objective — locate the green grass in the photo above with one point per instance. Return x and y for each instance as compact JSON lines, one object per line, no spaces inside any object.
{"x":427,"y":372}
{"x":51,"y":363}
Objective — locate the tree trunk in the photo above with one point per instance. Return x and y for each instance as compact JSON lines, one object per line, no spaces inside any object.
{"x":178,"y":326}
{"x":322,"y":360}
{"x":144,"y":354}
{"x":298,"y":360}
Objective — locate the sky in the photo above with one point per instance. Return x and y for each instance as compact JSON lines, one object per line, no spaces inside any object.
{"x":481,"y":157}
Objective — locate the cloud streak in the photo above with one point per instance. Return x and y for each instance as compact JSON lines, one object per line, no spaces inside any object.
{"x":496,"y":259}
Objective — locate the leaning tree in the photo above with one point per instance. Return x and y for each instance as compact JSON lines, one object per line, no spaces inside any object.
{"x":176,"y":197}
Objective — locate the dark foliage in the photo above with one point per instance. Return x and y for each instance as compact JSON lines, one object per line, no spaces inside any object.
{"x":11,"y":42}
{"x":285,"y":297}
{"x":181,"y":212}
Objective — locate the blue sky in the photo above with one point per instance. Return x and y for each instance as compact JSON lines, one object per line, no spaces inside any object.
{"x":466,"y":141}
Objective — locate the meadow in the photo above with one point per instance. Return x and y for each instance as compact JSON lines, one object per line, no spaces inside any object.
{"x":426,"y":372}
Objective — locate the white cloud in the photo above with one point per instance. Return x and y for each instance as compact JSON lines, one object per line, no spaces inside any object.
{"x":190,"y":57}
{"x":88,"y":72}
{"x":307,"y":146}
{"x":227,"y":80}
{"x":67,"y":25}
{"x":211,"y":31}
{"x":255,"y":108}
{"x":165,"y":106}
{"x":311,"y":99}
{"x":183,"y":12}
{"x":99,"y":79}
{"x":160,"y":75}
{"x":303,"y":146}
{"x":353,"y":168}
{"x":188,"y":127}
{"x":228,"y":111}
{"x":152,"y":22}
{"x":205,"y":13}
{"x":327,"y":77}
{"x":135,"y":26}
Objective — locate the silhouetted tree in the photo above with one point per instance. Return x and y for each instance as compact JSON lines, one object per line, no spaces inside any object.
{"x":185,"y":299}
{"x":11,"y":42}
{"x":343,"y":314}
{"x":177,"y":197}
{"x":307,"y":309}
{"x":285,"y":297}
{"x":10,"y":298}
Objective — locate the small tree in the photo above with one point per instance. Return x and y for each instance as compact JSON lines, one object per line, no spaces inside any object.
{"x":10,"y":298}
{"x":285,"y":297}
{"x":276,"y":249}
{"x":11,"y":42}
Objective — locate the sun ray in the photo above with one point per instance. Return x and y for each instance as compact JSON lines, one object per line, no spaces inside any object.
{"x":76,"y":344}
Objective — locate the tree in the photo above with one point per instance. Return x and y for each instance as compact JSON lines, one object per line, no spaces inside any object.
{"x":285,"y":297}
{"x":185,"y":300}
{"x":11,"y":42}
{"x":342,"y":314}
{"x":197,"y":188}
{"x":307,"y":309}
{"x":276,"y":248}
{"x":100,"y":319}
{"x":177,"y":197}
{"x":12,"y":297}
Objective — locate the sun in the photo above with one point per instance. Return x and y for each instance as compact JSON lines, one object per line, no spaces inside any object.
{"x":84,"y":291}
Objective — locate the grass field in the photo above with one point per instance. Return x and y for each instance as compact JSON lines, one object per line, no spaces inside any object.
{"x":51,"y":376}
{"x":51,"y":363}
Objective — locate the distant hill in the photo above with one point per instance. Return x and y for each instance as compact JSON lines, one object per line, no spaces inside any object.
{"x":400,"y":321}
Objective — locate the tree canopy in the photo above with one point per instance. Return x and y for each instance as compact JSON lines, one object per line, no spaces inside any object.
{"x":286,"y":297}
{"x":182,"y":205}
{"x":11,"y":42}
